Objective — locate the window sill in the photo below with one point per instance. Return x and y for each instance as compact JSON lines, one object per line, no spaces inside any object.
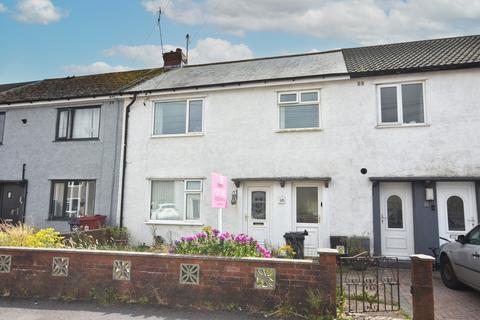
{"x":385,"y":126}
{"x":173,"y":222}
{"x":73,"y":140}
{"x":298,"y":130}
{"x":180,"y":135}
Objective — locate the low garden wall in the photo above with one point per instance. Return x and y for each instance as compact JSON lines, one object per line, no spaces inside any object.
{"x":252,"y":283}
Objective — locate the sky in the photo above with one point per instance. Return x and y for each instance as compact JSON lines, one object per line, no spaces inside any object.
{"x":42,"y":39}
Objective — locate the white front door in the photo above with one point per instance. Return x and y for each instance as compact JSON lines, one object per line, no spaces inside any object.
{"x":396,"y":216}
{"x":307,"y":208}
{"x":457,"y":208}
{"x":258,"y":213}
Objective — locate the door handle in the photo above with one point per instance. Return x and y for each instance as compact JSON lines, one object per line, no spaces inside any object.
{"x":476,"y":255}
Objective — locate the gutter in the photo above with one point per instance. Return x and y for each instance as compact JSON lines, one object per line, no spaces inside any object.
{"x":124,"y":165}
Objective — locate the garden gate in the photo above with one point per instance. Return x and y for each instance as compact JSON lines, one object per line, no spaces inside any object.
{"x":370,"y":284}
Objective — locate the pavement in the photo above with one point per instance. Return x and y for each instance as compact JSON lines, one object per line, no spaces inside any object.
{"x":19,"y":309}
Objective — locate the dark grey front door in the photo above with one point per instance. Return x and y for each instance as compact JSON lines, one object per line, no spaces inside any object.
{"x":12,"y":202}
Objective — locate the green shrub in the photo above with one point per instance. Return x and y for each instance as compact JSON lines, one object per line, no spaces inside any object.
{"x":25,"y":236}
{"x":118,"y":233}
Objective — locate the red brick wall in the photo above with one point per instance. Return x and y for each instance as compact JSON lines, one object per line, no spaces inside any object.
{"x":156,"y":278}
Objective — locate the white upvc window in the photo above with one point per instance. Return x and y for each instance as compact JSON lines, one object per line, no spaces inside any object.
{"x":176,"y":200}
{"x":299,"y":109}
{"x":178,"y":117}
{"x":401,"y":104}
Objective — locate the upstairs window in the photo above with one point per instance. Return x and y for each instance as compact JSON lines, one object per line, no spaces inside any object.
{"x":78,"y":123}
{"x":178,"y":117}
{"x":299,"y":110}
{"x":2,"y":126}
{"x":401,"y":104}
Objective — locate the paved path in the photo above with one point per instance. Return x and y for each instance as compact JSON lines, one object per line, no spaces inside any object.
{"x":51,"y":310}
{"x":449,"y":304}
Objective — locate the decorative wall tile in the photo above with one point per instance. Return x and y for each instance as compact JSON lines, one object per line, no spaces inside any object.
{"x":265,"y":278}
{"x":121,"y":270}
{"x":5,"y":263}
{"x":189,"y":273}
{"x":60,"y":266}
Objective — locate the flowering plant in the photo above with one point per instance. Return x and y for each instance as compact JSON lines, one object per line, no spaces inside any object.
{"x":25,"y":236}
{"x":212,"y":242}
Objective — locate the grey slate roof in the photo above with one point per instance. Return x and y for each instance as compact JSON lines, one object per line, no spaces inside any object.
{"x":75,"y":87}
{"x":425,"y":55}
{"x":263,"y":69}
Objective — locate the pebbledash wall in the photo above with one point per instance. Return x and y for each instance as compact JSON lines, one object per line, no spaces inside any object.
{"x":241,"y":139}
{"x":253,"y":283}
{"x":33,"y":144}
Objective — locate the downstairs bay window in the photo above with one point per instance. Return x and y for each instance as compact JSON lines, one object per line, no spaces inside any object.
{"x":175,"y":200}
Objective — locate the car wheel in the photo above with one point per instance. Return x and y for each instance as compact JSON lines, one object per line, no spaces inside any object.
{"x":448,"y":274}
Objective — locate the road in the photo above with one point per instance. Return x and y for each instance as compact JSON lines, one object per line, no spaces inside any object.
{"x":53,"y":310}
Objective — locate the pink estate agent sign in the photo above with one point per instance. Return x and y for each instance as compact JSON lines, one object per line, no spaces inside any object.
{"x":219,"y":191}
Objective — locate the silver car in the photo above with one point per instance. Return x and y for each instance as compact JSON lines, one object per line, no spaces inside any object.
{"x":460,"y":261}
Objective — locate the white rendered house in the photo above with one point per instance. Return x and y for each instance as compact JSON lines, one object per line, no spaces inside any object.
{"x":381,"y":142}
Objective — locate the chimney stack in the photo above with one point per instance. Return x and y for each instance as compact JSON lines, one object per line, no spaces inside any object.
{"x":174,"y":59}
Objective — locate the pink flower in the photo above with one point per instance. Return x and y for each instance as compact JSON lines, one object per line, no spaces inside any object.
{"x":201,"y":235}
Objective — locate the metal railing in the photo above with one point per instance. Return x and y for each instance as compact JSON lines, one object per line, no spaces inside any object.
{"x":370,"y":284}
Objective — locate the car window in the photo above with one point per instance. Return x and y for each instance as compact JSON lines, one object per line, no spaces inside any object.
{"x":474,"y":237}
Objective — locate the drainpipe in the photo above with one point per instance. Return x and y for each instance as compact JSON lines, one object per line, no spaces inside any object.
{"x":125,"y":137}
{"x":25,"y":192}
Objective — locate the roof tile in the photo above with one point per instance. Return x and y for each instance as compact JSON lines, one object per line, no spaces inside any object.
{"x":414,"y":56}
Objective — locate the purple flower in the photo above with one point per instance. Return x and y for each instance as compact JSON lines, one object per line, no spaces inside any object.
{"x":222,"y":236}
{"x":201,"y":235}
{"x":215,"y":231}
{"x":191,"y":238}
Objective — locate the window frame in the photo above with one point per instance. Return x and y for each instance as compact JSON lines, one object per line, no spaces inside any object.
{"x":2,"y":132}
{"x":298,"y":102}
{"x":65,"y":195}
{"x":399,"y":122}
{"x":186,"y":192}
{"x":71,"y":117}
{"x":187,"y":118}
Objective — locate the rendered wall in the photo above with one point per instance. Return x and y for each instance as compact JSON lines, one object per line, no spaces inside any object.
{"x":241,"y":140}
{"x":33,"y":144}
